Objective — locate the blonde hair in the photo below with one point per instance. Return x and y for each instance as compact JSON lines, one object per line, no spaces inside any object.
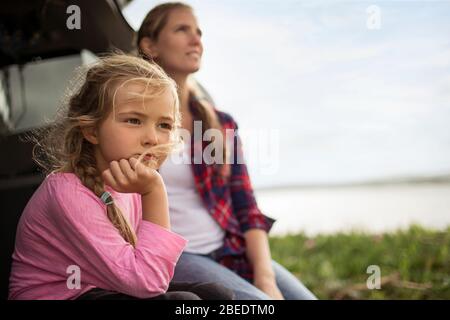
{"x":151,"y":27}
{"x":61,"y":147}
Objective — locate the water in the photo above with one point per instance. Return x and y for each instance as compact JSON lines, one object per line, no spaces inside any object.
{"x":370,"y":208}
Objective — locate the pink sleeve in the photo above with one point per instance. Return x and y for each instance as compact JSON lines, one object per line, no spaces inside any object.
{"x":105,"y":259}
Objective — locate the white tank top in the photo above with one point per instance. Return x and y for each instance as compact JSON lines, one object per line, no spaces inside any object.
{"x":188,"y":215}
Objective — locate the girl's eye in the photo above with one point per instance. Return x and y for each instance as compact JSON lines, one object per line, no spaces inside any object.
{"x":167,"y":126}
{"x":182,"y":28}
{"x":133,"y":121}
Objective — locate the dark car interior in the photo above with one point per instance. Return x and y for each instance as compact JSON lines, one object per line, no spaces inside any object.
{"x":34,"y":35}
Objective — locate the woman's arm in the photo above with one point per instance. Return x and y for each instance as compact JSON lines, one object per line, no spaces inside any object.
{"x":258,"y":253}
{"x":245,"y":207}
{"x":254,"y":225}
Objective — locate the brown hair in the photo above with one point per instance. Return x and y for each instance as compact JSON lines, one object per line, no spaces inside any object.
{"x":151,"y":27}
{"x":61,"y":147}
{"x":156,"y":19}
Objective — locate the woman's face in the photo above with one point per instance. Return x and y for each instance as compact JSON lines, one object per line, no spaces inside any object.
{"x":178,"y":48}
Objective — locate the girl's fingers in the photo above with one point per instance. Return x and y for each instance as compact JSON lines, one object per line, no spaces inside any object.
{"x":128,"y":175}
{"x":117,"y":173}
{"x":133,"y":163}
{"x":137,"y":166}
{"x":109,"y":180}
{"x":125,"y":166}
{"x":140,"y":169}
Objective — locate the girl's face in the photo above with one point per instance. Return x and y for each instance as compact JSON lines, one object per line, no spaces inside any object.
{"x":179,"y":47}
{"x":133,"y":126}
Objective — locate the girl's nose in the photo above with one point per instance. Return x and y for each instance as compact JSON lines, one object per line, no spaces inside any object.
{"x":150,"y":137}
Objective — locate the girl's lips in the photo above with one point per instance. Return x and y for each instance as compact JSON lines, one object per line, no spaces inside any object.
{"x":149,"y":157}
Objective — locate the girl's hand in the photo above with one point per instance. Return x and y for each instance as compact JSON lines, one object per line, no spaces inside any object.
{"x":269,"y":287}
{"x":131,"y":176}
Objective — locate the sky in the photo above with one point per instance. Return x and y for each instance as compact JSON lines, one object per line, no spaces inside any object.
{"x":329,"y":91}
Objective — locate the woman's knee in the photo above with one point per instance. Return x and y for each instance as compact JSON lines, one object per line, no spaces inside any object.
{"x":290,"y":286}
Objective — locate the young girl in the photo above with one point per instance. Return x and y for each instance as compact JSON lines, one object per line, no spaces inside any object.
{"x":98,"y":226}
{"x":212,"y":206}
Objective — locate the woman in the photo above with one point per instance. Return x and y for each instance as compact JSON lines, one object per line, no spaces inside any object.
{"x":211,"y":205}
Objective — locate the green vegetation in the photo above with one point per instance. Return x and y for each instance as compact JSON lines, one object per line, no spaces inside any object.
{"x":414,"y":263}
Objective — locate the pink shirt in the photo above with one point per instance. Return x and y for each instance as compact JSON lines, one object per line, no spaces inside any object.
{"x":65,"y":224}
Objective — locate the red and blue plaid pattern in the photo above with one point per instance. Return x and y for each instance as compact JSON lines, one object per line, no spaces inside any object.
{"x":230,"y":202}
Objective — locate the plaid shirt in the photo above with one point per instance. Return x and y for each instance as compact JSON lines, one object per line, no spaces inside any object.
{"x":230,"y":201}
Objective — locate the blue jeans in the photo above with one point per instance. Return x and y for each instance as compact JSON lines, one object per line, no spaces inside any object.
{"x":202,"y":268}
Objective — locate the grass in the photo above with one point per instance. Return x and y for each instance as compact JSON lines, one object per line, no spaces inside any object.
{"x":414,"y":263}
